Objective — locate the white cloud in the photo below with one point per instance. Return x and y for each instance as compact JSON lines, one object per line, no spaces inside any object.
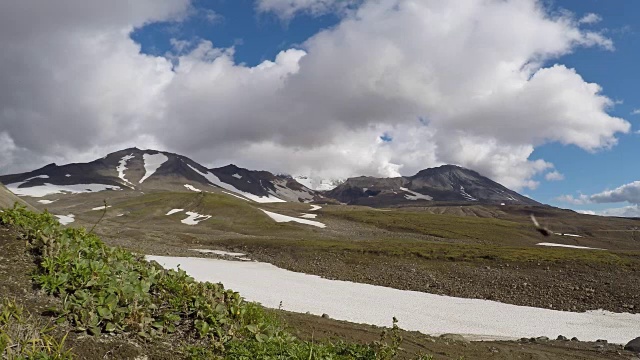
{"x":635,"y":112}
{"x":626,"y":211}
{"x":626,"y":193}
{"x":485,"y":94}
{"x":554,"y":176}
{"x":590,"y":18}
{"x":581,"y":199}
{"x":286,"y":9}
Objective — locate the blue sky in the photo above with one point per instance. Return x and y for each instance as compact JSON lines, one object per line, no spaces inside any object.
{"x":332,"y":89}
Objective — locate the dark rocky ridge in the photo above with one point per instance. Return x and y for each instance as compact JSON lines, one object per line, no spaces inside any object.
{"x":447,"y":183}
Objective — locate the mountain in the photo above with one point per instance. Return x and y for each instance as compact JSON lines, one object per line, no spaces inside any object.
{"x":447,"y":183}
{"x":318,"y":184}
{"x":8,"y":199}
{"x":150,"y":170}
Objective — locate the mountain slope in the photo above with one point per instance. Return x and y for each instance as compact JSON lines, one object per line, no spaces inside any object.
{"x":8,"y":199}
{"x":447,"y":183}
{"x":150,"y":170}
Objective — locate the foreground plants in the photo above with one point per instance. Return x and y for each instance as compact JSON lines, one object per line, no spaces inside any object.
{"x":110,"y":290}
{"x":23,"y":336}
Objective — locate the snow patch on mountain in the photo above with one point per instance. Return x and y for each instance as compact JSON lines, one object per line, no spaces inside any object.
{"x":238,"y":196}
{"x":195,"y":218}
{"x":216,"y":181}
{"x":284,"y":218}
{"x":318,"y":184}
{"x":466,"y":195}
{"x":122,"y":166}
{"x":174,"y":211}
{"x":567,"y":246}
{"x":282,"y":191}
{"x":414,"y":195}
{"x":237,"y":176}
{"x":66,"y":219}
{"x":49,"y":189}
{"x":315,"y":207}
{"x":151,"y":163}
{"x":47,"y":202}
{"x":101,"y":207}
{"x":309,"y":216}
{"x":192,"y":188}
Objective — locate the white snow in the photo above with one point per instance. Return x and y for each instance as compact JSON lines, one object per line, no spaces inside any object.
{"x":284,"y":218}
{"x":195,"y":218}
{"x":120,"y":215}
{"x":466,"y":195}
{"x":151,"y":163}
{"x":304,"y":180}
{"x":308,"y":216}
{"x":68,"y":175}
{"x":49,"y":189}
{"x":171,"y":212}
{"x":414,"y":195}
{"x":315,"y":207}
{"x":567,"y":246}
{"x":415,"y":311}
{"x":46,"y":202}
{"x":573,"y":235}
{"x":218,"y":252}
{"x":237,"y":176}
{"x":101,"y":207}
{"x":232,"y":194}
{"x":192,"y":188}
{"x":66,"y":219}
{"x":122,"y":166}
{"x":216,"y":181}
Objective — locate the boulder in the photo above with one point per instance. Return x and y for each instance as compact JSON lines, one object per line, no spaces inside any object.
{"x":633,"y":345}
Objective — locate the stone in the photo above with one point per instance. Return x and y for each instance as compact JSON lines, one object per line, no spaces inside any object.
{"x":542,"y":338}
{"x":325,"y":316}
{"x":562,"y":338}
{"x":574,"y":339}
{"x":633,"y":345}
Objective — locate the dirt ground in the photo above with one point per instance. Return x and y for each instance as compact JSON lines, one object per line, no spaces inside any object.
{"x":16,"y":265}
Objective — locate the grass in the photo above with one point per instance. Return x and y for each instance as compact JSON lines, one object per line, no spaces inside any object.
{"x":22,"y":336}
{"x":440,"y":225}
{"x":227,"y":213}
{"x":423,"y":250}
{"x":110,"y":290}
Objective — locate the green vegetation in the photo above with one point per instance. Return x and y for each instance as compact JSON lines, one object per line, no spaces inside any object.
{"x":438,"y":225}
{"x":24,"y":337}
{"x":428,"y":250}
{"x":110,"y":290}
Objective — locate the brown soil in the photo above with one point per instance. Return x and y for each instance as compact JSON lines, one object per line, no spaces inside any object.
{"x":16,"y":265}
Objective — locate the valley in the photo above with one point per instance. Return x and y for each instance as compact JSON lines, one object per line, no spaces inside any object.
{"x":388,"y":235}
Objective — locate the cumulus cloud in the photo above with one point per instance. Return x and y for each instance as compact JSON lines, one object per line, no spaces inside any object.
{"x":443,"y":79}
{"x":626,"y":193}
{"x":554,"y":176}
{"x":635,"y":112}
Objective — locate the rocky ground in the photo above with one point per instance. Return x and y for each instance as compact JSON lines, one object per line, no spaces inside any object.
{"x":16,"y":264}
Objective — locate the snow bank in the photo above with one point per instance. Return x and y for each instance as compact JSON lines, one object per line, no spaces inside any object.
{"x":416,"y":311}
{"x":284,"y":218}
{"x":171,"y":212}
{"x":308,"y":216}
{"x":238,"y":196}
{"x":192,"y":188}
{"x":567,"y":246}
{"x":101,"y":207}
{"x":46,"y":202}
{"x":195,"y":218}
{"x":315,"y":207}
{"x":151,"y":163}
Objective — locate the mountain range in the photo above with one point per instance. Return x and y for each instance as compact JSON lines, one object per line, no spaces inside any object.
{"x":134,"y":169}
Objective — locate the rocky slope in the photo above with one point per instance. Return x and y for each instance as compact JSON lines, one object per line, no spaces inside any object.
{"x":447,"y":183}
{"x":149,"y":170}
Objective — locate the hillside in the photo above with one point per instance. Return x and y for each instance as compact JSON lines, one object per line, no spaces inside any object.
{"x":8,"y":199}
{"x":447,"y":183}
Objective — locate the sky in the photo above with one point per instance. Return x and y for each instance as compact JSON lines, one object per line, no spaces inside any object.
{"x":539,"y":95}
